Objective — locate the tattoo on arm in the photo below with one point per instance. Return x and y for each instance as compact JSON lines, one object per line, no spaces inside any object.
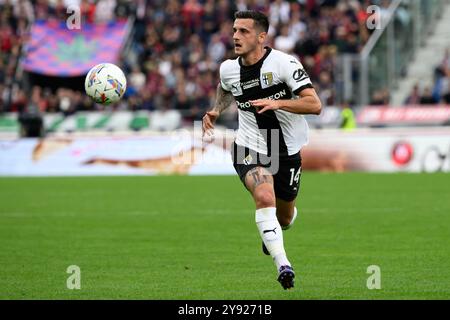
{"x":258,"y":176}
{"x":223,"y":99}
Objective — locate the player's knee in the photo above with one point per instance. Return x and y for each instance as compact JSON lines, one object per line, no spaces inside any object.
{"x":264,"y":198}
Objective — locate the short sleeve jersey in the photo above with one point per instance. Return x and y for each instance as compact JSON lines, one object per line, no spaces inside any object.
{"x":276,"y":75}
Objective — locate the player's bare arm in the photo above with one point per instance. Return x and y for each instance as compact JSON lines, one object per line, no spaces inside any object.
{"x":223,"y":100}
{"x":308,"y":103}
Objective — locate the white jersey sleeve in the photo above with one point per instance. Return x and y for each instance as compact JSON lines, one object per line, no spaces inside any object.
{"x":294,"y":75}
{"x":224,"y":73}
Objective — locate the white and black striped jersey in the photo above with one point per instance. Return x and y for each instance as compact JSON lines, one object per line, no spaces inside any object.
{"x":276,"y":75}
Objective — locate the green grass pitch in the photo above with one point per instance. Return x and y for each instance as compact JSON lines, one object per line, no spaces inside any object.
{"x":177,"y":237}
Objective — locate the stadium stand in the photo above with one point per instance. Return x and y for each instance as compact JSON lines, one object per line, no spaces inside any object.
{"x":178,"y":45}
{"x":440,"y":92}
{"x":175,"y":47}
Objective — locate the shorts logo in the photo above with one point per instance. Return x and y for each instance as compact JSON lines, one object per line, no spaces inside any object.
{"x":248,"y":160}
{"x":267,"y":78}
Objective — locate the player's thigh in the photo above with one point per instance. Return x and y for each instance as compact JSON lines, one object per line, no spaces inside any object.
{"x":287,"y":181}
{"x":260,"y":183}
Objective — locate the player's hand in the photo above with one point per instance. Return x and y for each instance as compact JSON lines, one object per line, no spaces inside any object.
{"x":265,"y":104}
{"x":208,"y":121}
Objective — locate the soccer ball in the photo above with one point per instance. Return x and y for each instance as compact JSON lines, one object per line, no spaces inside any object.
{"x":105,"y":83}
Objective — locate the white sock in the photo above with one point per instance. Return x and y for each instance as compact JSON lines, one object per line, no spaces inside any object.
{"x":272,"y":235}
{"x":293,"y":220}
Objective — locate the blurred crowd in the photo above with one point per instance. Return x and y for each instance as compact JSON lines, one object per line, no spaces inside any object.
{"x":439,"y":92}
{"x":16,"y":18}
{"x":178,"y":46}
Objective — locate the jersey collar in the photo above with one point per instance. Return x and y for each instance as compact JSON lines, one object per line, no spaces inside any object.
{"x":260,"y":61}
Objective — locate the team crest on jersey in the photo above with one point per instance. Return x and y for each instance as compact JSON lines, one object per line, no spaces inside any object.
{"x":248,"y":160}
{"x":236,"y":89}
{"x":267,"y":79}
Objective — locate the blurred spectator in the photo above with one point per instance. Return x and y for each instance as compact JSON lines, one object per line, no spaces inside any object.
{"x":2,"y":72}
{"x":446,"y":97}
{"x":380,"y":98}
{"x":348,"y":118}
{"x":136,"y":79}
{"x":440,"y":91}
{"x":19,"y":101}
{"x":192,"y":12}
{"x":216,"y":49}
{"x":414,"y":97}
{"x":326,"y":88}
{"x":104,"y":10}
{"x":427,"y":97}
{"x":297,"y":27}
{"x":284,"y":41}
{"x":24,"y":10}
{"x":2,"y":98}
{"x":442,"y":77}
{"x":279,"y":13}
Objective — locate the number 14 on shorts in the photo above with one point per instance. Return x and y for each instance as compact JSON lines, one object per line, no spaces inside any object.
{"x":295,"y":176}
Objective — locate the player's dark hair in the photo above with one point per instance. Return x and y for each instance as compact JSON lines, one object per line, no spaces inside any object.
{"x":261,"y":20}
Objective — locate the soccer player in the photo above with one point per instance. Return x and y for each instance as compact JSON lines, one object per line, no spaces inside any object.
{"x":272,"y":91}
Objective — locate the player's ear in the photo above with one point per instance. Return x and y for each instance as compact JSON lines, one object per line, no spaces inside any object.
{"x":262,"y":37}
